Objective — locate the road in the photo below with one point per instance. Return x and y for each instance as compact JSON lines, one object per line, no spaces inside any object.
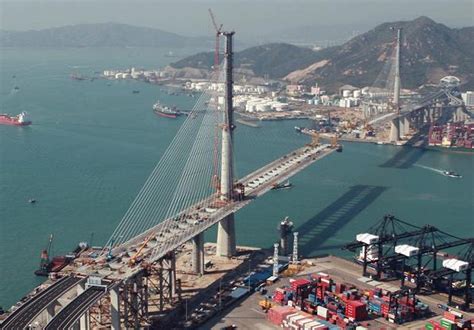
{"x":26,"y":313}
{"x":66,"y":318}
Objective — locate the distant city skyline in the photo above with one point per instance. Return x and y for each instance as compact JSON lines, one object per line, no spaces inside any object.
{"x":252,"y":19}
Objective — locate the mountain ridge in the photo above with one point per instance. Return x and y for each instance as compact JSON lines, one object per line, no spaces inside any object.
{"x":430,"y":51}
{"x":108,"y":34}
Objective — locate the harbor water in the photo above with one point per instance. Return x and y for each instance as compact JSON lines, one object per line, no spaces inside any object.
{"x":93,"y":143}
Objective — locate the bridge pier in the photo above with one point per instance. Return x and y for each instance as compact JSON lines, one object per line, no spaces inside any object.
{"x":226,"y":237}
{"x":394,"y":130}
{"x":401,"y":125}
{"x":115,"y":308}
{"x":198,"y":254}
{"x":406,"y":126}
{"x":135,"y":303}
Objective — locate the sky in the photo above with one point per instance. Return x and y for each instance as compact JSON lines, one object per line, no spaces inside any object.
{"x":250,"y":18}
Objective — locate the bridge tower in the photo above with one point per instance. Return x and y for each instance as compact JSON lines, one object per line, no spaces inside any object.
{"x":226,"y":229}
{"x":397,"y":123}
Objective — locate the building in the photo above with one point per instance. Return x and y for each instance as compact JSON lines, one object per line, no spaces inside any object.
{"x":295,"y":89}
{"x":468,"y":98}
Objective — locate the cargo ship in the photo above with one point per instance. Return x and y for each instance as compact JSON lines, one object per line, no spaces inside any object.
{"x":165,"y":111}
{"x":19,"y":120}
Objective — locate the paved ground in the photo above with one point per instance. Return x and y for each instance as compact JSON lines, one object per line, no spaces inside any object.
{"x":247,"y":314}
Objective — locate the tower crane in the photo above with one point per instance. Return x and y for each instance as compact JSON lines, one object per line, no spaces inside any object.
{"x":218,"y":29}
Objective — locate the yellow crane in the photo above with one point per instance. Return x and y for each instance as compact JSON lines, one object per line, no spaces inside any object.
{"x":133,"y":259}
{"x":314,"y":139}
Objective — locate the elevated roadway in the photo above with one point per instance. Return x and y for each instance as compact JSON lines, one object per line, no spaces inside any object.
{"x":26,"y":313}
{"x":70,"y":314}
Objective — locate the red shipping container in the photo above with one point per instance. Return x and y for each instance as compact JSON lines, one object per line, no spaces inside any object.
{"x":277,"y":314}
{"x":356,"y":310}
{"x":449,"y":316}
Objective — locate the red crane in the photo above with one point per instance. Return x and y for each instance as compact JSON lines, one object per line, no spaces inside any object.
{"x":215,"y":182}
{"x":218,"y":33}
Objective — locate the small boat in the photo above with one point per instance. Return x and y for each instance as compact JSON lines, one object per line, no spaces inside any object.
{"x":278,"y":186}
{"x":451,"y":174}
{"x":135,"y":92}
{"x":298,"y":129}
{"x":32,"y":201}
{"x":16,"y":88}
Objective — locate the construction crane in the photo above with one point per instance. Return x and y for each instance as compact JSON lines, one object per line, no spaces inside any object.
{"x":134,"y":258}
{"x":215,"y":181}
{"x":314,"y":139}
{"x":44,"y":263}
{"x":218,"y":34}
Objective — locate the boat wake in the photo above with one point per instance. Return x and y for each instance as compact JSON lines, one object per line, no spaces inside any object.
{"x":430,"y":169}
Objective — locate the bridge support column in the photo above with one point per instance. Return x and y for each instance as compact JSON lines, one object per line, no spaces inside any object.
{"x":394,"y":130}
{"x":401,"y":125}
{"x":115,"y":308}
{"x":406,"y":125}
{"x":198,"y":254}
{"x":226,"y":237}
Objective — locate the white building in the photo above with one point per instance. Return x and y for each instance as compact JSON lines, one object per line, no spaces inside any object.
{"x":468,"y":98}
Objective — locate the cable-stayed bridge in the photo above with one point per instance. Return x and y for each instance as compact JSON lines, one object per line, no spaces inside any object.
{"x":383,"y":102}
{"x":192,"y":188}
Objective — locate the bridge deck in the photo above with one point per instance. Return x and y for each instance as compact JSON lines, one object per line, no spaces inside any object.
{"x":26,"y":313}
{"x":200,"y":216}
{"x":69,"y":315}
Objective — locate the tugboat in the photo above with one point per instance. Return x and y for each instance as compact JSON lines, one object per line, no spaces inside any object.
{"x":451,"y":174}
{"x":278,"y":186}
{"x":165,"y":111}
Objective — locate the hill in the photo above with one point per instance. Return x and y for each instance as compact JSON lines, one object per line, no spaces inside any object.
{"x":98,"y":35}
{"x":430,"y":51}
{"x":274,"y":60}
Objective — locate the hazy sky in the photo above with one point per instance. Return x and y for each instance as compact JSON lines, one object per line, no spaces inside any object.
{"x":249,"y":18}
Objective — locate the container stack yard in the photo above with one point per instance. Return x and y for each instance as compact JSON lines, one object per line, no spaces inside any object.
{"x":452,"y":135}
{"x":335,"y":305}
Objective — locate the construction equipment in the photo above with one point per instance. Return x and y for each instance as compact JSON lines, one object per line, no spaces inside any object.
{"x":134,"y":258}
{"x":218,"y":33}
{"x":109,"y":254}
{"x":314,"y":139}
{"x":44,"y":263}
{"x":265,"y":304}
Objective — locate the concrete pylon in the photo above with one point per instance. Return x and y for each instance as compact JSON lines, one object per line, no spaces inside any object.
{"x":197,"y":256}
{"x":226,"y":229}
{"x":394,"y":130}
{"x":406,"y":125}
{"x":115,"y":308}
{"x":401,"y":126}
{"x":226,"y":246}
